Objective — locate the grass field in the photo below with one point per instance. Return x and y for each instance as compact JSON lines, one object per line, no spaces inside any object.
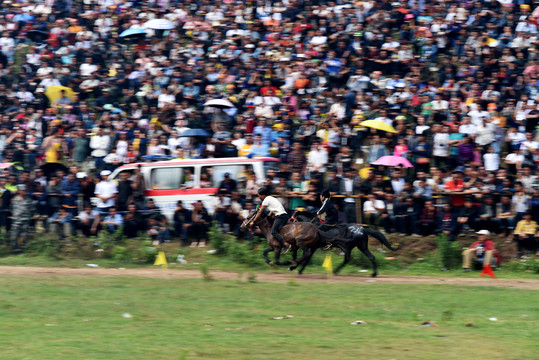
{"x":81,"y":318}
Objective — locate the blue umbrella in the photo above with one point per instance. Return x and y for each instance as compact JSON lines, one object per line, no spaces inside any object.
{"x":195,"y":132}
{"x":132,"y":32}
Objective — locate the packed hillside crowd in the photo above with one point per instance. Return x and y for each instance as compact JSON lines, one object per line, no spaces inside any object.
{"x":457,"y":80}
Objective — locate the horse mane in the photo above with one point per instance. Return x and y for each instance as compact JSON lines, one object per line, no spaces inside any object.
{"x":304,"y":216}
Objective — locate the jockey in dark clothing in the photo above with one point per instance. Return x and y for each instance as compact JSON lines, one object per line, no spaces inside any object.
{"x":330,"y":229}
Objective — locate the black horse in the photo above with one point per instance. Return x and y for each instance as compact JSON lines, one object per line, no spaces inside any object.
{"x":353,"y":236}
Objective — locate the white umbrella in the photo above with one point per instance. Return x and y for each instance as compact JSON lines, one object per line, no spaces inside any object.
{"x":159,"y":24}
{"x":219,"y":103}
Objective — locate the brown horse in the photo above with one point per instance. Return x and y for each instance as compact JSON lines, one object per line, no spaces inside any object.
{"x":300,"y":235}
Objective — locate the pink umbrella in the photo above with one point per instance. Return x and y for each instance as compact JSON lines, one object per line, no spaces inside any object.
{"x":393,"y":161}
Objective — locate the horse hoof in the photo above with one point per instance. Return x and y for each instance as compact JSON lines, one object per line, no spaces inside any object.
{"x":374,"y":275}
{"x":271,"y":263}
{"x":291,"y":268}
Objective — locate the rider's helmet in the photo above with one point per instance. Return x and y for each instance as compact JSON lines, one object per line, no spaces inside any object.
{"x":264,"y":191}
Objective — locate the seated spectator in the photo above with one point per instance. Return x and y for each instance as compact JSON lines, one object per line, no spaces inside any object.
{"x":372,"y":208}
{"x":220,"y":205}
{"x":428,"y":219}
{"x":480,"y":249}
{"x":407,"y":216}
{"x":113,"y":220}
{"x":189,"y":183}
{"x":467,"y":217}
{"x":182,"y":222}
{"x":525,"y":235}
{"x":158,"y":229}
{"x":61,"y":223}
{"x":388,"y":218}
{"x":201,"y":223}
{"x":505,"y":215}
{"x":133,"y":221}
{"x":89,"y":221}
{"x":445,"y":222}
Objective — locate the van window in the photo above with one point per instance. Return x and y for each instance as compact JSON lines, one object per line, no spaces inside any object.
{"x":166,"y":178}
{"x":216,"y":174}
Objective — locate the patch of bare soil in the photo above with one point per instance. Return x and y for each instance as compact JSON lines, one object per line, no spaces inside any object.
{"x":528,"y":284}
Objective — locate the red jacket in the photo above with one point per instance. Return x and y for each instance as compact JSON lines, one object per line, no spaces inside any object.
{"x":458,"y":199}
{"x":489,"y":245}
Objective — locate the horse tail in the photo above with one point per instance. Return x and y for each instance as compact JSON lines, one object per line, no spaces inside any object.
{"x":380,"y":237}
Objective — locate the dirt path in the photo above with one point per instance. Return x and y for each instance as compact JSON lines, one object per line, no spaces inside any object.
{"x":529,"y":284}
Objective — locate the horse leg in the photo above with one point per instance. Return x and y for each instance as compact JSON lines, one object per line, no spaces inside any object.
{"x":295,"y":253}
{"x":277,"y":252}
{"x":265,"y":253}
{"x":347,"y":257}
{"x":365,"y":250}
{"x":304,"y":256}
{"x":307,"y":260}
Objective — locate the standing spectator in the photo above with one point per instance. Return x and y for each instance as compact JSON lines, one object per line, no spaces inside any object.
{"x":105,"y":191}
{"x":296,"y":159}
{"x":350,"y":185}
{"x":70,"y":191}
{"x":22,"y":210}
{"x":5,"y":203}
{"x":99,"y":144}
{"x":318,"y":158}
{"x":125,"y":191}
{"x":376,"y":150}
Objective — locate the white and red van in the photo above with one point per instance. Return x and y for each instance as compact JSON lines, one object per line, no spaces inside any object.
{"x":194,"y":179}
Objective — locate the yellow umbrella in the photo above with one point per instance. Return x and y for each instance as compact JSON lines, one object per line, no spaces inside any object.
{"x":54,"y":93}
{"x":364,"y":173}
{"x":378,"y":125}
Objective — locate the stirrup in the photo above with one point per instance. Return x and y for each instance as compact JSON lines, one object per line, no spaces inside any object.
{"x":286,"y":248}
{"x":328,"y":247}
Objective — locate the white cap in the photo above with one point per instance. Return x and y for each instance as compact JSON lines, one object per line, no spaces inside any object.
{"x":105,"y":173}
{"x":249,"y":46}
{"x":483,"y":232}
{"x":81,"y":175}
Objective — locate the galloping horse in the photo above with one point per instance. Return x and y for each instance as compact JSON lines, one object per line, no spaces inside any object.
{"x":354,"y":236}
{"x":300,"y":235}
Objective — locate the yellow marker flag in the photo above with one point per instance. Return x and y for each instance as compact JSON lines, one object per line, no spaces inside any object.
{"x":327,"y":264}
{"x":161,"y":259}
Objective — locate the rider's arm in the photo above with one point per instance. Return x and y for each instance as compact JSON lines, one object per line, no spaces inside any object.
{"x":258,"y":214}
{"x":323,"y":209}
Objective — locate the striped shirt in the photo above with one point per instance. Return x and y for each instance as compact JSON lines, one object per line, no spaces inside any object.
{"x":526,"y":227}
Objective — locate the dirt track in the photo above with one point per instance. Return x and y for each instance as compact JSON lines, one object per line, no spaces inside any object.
{"x":529,"y":284}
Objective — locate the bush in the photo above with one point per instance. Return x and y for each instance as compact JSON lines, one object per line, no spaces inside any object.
{"x":449,"y":252}
{"x":523,"y":265}
{"x":228,"y":246}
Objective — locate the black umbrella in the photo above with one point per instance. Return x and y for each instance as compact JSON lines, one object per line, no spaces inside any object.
{"x":37,"y":35}
{"x":51,"y":168}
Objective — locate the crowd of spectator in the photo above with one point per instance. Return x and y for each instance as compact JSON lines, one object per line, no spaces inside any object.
{"x":458,"y":82}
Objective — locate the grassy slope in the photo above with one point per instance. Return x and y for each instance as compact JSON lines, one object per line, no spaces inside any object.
{"x":81,"y":318}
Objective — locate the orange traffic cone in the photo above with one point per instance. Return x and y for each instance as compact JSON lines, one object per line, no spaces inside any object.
{"x":487,"y":270}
